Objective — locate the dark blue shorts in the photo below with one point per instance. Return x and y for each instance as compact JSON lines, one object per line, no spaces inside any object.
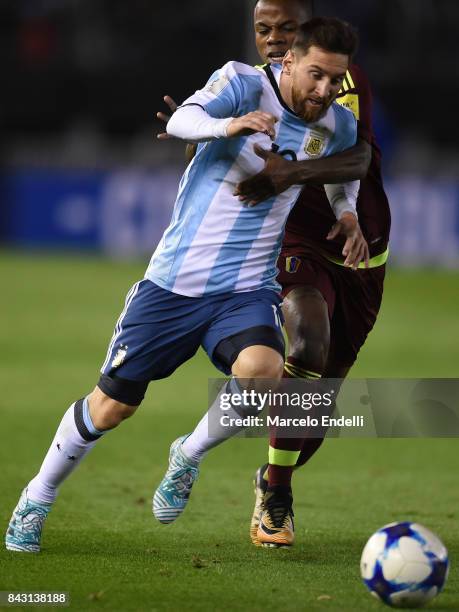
{"x":159,"y":330}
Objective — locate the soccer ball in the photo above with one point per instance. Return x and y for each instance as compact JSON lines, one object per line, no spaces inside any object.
{"x":404,"y":564}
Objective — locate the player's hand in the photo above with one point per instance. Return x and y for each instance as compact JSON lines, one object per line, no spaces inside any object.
{"x":256,"y":121}
{"x":276,"y":177}
{"x":355,"y":248}
{"x":173,"y":107}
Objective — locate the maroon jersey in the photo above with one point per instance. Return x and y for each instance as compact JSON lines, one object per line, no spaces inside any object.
{"x":312,"y":218}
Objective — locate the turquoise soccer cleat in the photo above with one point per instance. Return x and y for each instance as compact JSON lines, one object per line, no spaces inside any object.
{"x":26,"y":525}
{"x":171,"y":497}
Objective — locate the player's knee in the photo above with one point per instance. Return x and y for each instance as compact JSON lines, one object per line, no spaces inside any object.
{"x":311,"y":349}
{"x":107,"y":413}
{"x":310,"y":344}
{"x":259,"y":362}
{"x":308,"y":327}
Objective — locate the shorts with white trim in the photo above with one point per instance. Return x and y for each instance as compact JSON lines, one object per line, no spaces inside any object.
{"x":159,"y":330}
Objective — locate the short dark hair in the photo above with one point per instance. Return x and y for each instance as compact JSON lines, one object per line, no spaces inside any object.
{"x":307,"y":5}
{"x":327,"y":33}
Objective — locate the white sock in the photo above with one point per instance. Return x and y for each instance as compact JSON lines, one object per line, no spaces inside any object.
{"x":199,"y":442}
{"x":66,"y":451}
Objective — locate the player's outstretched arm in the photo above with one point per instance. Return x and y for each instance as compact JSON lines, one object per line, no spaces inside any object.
{"x":280,"y":174}
{"x":192,"y":123}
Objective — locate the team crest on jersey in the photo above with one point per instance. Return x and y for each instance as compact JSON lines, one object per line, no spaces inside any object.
{"x":120,"y":356}
{"x":292,"y":264}
{"x":217,"y":85}
{"x":315,"y":144}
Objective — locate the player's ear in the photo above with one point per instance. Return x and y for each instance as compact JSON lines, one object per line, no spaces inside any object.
{"x":287,"y":63}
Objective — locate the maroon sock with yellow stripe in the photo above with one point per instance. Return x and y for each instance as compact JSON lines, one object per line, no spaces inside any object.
{"x":284,"y":453}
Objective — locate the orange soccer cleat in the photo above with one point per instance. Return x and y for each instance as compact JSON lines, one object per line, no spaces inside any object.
{"x":276,"y":527}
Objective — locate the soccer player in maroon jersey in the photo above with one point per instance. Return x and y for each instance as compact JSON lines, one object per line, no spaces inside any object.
{"x":329,"y":308}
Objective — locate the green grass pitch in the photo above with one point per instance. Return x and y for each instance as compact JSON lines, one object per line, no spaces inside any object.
{"x":101,"y":542}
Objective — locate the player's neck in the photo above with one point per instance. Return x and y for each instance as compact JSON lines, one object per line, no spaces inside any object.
{"x":285,"y":89}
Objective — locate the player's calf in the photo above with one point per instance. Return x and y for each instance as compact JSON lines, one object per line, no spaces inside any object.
{"x":106,"y":412}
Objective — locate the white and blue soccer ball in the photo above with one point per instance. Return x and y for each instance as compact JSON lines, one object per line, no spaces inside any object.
{"x":404,"y":564}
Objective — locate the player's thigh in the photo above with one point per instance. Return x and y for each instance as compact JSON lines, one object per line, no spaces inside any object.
{"x":309,"y":272}
{"x":243,"y":321}
{"x":156,"y":332}
{"x":309,"y":302}
{"x":358,"y":300}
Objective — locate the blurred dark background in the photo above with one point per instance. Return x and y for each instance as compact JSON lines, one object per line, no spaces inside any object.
{"x":105,"y":62}
{"x":82,"y":80}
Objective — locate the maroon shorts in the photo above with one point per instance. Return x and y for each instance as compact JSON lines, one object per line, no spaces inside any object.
{"x":353,"y":298}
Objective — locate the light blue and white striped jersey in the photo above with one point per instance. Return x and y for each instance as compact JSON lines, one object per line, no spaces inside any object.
{"x":214,"y":244}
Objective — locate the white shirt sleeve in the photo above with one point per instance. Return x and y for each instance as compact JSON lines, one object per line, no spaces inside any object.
{"x":193,"y":124}
{"x":343,"y":197}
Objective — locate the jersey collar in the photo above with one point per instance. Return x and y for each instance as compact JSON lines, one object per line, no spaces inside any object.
{"x":275,"y":86}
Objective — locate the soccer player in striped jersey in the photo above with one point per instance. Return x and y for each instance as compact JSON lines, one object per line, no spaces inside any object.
{"x":212,"y":279}
{"x":329,"y":310}
{"x":314,"y":117}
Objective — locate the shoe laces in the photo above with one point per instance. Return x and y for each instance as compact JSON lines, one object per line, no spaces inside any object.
{"x":32,"y":519}
{"x":182,"y":479}
{"x":279,"y":510}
